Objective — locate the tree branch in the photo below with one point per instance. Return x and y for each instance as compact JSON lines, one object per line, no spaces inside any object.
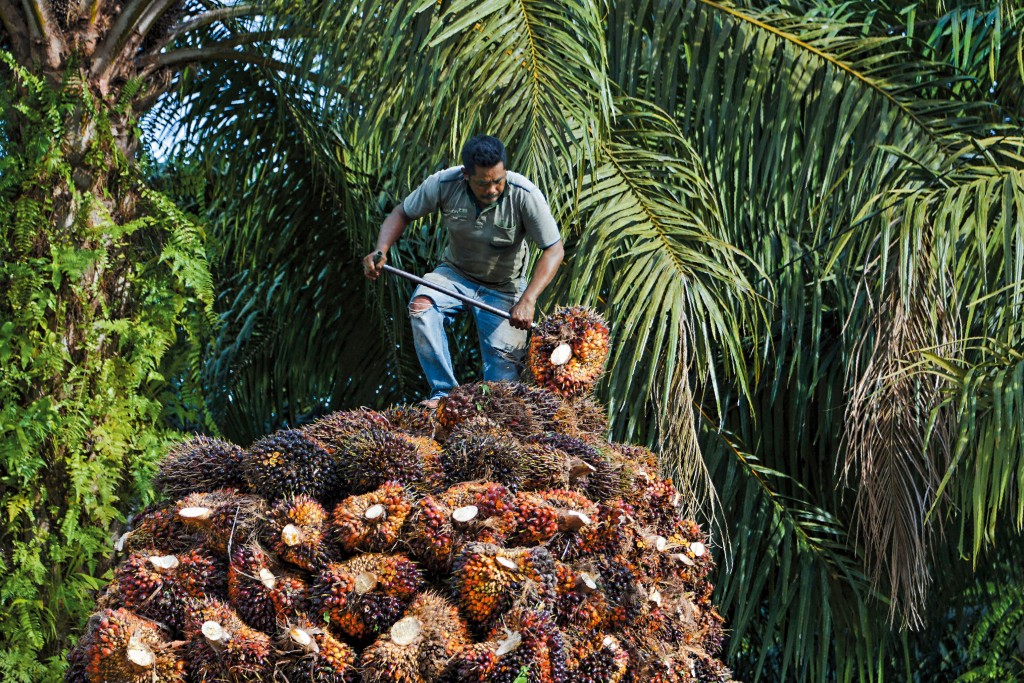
{"x":16,"y":29}
{"x":34,"y":30}
{"x":117,"y":36}
{"x":53,"y":38}
{"x":210,"y":54}
{"x":204,"y":19}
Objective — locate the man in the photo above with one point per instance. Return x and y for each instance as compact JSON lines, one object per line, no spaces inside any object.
{"x":488,"y":213}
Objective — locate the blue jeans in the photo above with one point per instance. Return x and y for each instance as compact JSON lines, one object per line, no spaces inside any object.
{"x":501,"y":345}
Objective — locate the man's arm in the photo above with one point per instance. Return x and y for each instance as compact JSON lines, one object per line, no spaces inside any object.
{"x":390,"y":231}
{"x":543,"y":273}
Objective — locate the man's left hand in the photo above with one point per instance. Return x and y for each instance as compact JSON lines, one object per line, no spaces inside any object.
{"x":522,"y":314}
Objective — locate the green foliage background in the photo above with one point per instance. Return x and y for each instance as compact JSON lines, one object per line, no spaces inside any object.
{"x":83,"y":420}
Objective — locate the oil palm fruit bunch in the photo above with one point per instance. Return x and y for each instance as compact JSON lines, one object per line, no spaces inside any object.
{"x":481,"y":449}
{"x":362,"y":597}
{"x":373,"y":521}
{"x":504,"y":402}
{"x":415,"y":420}
{"x":420,"y":647}
{"x":166,"y":587}
{"x":568,"y":351}
{"x":159,"y":527}
{"x":119,"y":645}
{"x":222,"y":517}
{"x":579,"y":602}
{"x":372,"y":457}
{"x":469,"y":512}
{"x":591,"y":469}
{"x":526,"y":643}
{"x":597,"y":658}
{"x":582,"y":417}
{"x":334,"y":430}
{"x":200,"y":464}
{"x":296,"y":531}
{"x":487,"y":580}
{"x":262,"y":593}
{"x":288,"y":463}
{"x":308,"y":653}
{"x":222,"y":648}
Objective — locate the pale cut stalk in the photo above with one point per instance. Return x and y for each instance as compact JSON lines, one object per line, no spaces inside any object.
{"x":291,"y":535}
{"x":214,"y":632}
{"x":465,"y":514}
{"x":267,"y":577}
{"x":561,"y":355}
{"x":586,"y":582}
{"x":195,"y":513}
{"x":572,"y":520}
{"x":365,"y":582}
{"x":164,"y":563}
{"x":659,"y":542}
{"x":506,"y":562}
{"x":303,"y":639}
{"x":374,"y":511}
{"x":139,"y":654}
{"x":512,"y":640}
{"x":406,"y":631}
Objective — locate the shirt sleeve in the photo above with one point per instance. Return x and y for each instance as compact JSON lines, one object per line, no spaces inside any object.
{"x":540,"y":225}
{"x":425,"y":198}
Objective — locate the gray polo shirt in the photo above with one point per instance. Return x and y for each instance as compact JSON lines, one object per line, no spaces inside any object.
{"x":486,"y":245}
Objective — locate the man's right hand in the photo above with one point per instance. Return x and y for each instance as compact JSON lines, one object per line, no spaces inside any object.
{"x":373,"y":270}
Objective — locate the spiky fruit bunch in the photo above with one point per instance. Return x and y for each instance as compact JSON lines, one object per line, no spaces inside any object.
{"x":568,"y":350}
{"x":334,"y":430}
{"x":621,"y":583}
{"x":582,"y":417}
{"x":525,"y":646}
{"x":159,"y":527}
{"x":222,"y":517}
{"x":597,"y":658}
{"x":487,"y":579}
{"x":480,"y":449}
{"x":166,"y":587}
{"x":200,"y":464}
{"x":644,"y":461}
{"x":288,"y":463}
{"x":415,"y":420}
{"x":375,"y":456}
{"x":364,"y":596}
{"x":590,"y":470}
{"x":310,"y":654}
{"x":371,"y":522}
{"x":561,"y":519}
{"x":579,"y":602}
{"x":419,"y":647}
{"x":296,"y":531}
{"x":502,"y":402}
{"x":121,"y":646}
{"x":262,"y":594}
{"x":222,"y":648}
{"x":465,"y":513}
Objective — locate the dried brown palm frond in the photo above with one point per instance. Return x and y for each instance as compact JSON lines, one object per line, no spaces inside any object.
{"x":895,"y":455}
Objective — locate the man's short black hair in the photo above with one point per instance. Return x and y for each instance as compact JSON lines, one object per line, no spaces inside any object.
{"x":483,"y":151}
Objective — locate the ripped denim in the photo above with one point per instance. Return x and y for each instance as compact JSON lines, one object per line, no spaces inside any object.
{"x":502,"y":346}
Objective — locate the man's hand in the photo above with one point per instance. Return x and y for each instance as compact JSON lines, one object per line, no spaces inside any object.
{"x":522,"y":314}
{"x":373,"y":270}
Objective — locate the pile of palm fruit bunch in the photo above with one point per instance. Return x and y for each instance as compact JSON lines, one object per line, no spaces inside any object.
{"x":499,"y":538}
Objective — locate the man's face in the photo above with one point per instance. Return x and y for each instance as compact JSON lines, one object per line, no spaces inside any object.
{"x":487,"y":184}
